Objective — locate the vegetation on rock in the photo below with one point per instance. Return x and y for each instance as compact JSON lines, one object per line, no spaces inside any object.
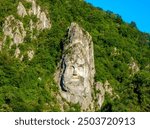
{"x":28,"y":85}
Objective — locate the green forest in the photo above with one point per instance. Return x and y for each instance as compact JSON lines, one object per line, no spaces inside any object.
{"x":116,"y":45}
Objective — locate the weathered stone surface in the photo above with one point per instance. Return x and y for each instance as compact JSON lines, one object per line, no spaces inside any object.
{"x":100,"y":95}
{"x":38,"y":11}
{"x":133,"y":66}
{"x":30,"y":54}
{"x":33,"y":9}
{"x":108,"y":88}
{"x":21,"y":10}
{"x":101,"y":90}
{"x":17,"y":52}
{"x":43,"y":21}
{"x":14,"y":29}
{"x":76,"y":74}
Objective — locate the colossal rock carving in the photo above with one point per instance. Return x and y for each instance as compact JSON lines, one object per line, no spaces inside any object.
{"x":76,"y":73}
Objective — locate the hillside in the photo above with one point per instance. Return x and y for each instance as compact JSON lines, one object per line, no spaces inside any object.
{"x":33,"y":36}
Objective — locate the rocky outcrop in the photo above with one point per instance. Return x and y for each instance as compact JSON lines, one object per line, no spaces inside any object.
{"x":43,"y":21}
{"x":133,"y":66}
{"x":108,"y":88}
{"x":100,"y":94}
{"x":21,"y":10}
{"x":17,"y":52}
{"x":33,"y":10}
{"x":101,"y":90}
{"x":75,"y":75}
{"x":14,"y":29}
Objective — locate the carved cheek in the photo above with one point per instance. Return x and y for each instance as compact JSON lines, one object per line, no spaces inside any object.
{"x":81,"y":71}
{"x":69,"y":71}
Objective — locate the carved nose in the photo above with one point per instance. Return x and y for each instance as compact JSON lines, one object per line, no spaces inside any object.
{"x":74,"y":71}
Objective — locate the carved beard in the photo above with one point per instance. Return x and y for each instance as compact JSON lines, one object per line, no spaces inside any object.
{"x":73,"y":74}
{"x":75,"y":71}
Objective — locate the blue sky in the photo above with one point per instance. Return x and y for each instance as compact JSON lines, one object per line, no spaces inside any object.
{"x":130,"y":10}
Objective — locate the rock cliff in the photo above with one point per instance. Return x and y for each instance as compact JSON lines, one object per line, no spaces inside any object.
{"x":101,"y":90}
{"x":21,"y":10}
{"x":32,"y":54}
{"x":15,"y":30}
{"x":43,"y":21}
{"x":75,"y":75}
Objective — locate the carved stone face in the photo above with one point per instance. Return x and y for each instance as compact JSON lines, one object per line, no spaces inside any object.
{"x":76,"y":73}
{"x":75,"y":70}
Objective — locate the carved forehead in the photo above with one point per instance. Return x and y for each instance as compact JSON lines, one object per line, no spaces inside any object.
{"x":75,"y":59}
{"x":75,"y":53}
{"x":75,"y":48}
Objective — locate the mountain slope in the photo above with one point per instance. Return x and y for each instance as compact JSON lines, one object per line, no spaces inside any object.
{"x":121,"y":55}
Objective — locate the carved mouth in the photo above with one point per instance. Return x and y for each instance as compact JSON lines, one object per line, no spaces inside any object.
{"x":75,"y":78}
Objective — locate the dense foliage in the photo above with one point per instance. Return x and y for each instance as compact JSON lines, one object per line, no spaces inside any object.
{"x":29,"y":85}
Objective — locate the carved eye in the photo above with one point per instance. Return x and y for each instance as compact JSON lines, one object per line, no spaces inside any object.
{"x":81,"y":65}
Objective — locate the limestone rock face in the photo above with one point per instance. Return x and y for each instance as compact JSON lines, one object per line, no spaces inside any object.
{"x":76,"y":73}
{"x":21,"y":10}
{"x":100,"y":96}
{"x":17,"y":52}
{"x":133,"y":66}
{"x":101,"y":90}
{"x":30,"y":54}
{"x":43,"y":21}
{"x":108,"y":88}
{"x":14,"y":29}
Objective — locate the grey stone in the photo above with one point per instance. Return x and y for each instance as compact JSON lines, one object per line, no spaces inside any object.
{"x":17,"y":52}
{"x":100,"y":95}
{"x":75,"y":76}
{"x":14,"y":29}
{"x":21,"y":10}
{"x":43,"y":21}
{"x":30,"y":54}
{"x":133,"y":66}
